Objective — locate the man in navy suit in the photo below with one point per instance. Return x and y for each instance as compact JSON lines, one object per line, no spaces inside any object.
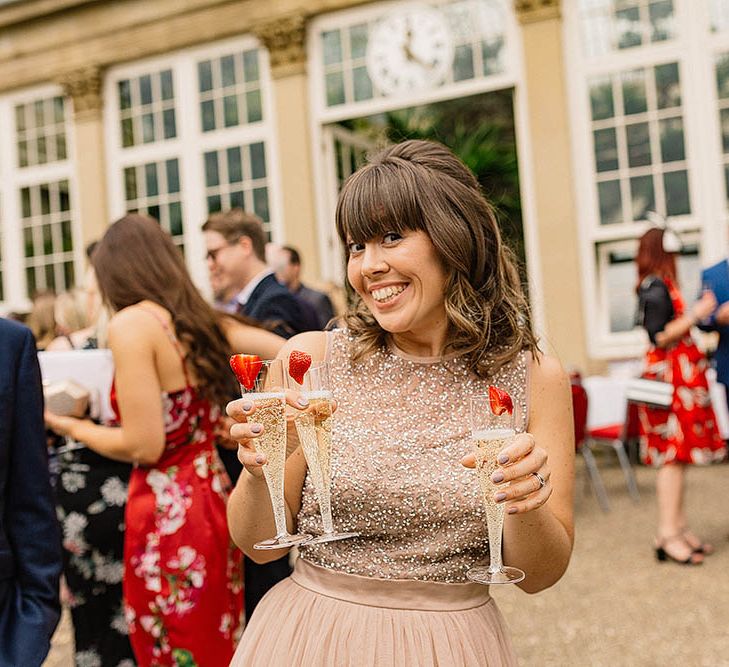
{"x":716,"y":278}
{"x":241,"y":280}
{"x":30,"y":545}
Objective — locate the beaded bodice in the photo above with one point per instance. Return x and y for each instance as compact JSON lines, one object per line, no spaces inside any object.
{"x":400,"y":431}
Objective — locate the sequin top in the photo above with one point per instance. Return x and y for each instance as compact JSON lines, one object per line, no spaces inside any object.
{"x":400,"y":431}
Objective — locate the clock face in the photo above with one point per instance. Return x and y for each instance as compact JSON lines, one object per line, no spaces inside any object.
{"x":409,"y":50}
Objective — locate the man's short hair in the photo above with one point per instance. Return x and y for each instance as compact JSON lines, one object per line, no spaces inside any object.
{"x":294,"y":257}
{"x":235,"y":224}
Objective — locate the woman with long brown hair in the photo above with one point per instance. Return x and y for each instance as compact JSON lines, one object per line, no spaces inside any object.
{"x":439,"y":315}
{"x":182,"y":575}
{"x":686,"y":432}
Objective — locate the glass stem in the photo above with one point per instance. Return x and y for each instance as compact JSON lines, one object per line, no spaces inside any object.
{"x":278,"y":503}
{"x":325,"y":503}
{"x":495,"y":529}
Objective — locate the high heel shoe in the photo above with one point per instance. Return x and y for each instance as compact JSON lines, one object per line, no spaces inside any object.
{"x":663,"y":555}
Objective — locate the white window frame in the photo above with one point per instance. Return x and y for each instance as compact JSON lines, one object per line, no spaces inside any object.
{"x":13,"y":178}
{"x":191,"y":142}
{"x":693,"y":50}
{"x":511,"y":78}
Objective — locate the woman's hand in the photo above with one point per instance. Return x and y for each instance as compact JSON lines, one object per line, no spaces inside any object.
{"x":246,"y":429}
{"x":524,"y":465}
{"x":60,"y":424}
{"x":704,"y":306}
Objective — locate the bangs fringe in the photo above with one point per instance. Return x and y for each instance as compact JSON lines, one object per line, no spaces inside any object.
{"x":377,"y":199}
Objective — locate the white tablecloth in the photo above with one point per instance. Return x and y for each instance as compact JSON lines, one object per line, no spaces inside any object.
{"x":606,"y":401}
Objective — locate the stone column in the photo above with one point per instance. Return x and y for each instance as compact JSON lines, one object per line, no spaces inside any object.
{"x":285,"y":39}
{"x":84,"y":87}
{"x":550,"y":168}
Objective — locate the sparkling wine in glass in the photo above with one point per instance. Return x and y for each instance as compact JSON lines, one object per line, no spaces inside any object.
{"x":314,"y":427}
{"x":262,"y":382}
{"x":492,"y":429}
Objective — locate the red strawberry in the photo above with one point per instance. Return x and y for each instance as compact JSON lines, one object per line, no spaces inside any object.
{"x":500,"y":401}
{"x":299,"y":363}
{"x":246,"y":368}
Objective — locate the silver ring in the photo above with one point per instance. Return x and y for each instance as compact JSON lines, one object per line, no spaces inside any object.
{"x":540,"y":479}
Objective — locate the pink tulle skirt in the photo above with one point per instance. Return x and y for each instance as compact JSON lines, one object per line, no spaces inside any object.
{"x":321,"y":617}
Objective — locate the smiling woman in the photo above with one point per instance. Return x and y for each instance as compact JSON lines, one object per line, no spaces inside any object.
{"x":439,"y":317}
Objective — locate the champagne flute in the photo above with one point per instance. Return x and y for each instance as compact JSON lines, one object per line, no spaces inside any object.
{"x":268,"y":395}
{"x":314,"y":426}
{"x":490,"y":433}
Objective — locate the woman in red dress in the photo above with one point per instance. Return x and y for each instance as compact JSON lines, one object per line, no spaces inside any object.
{"x":182,"y":575}
{"x":687,"y":432}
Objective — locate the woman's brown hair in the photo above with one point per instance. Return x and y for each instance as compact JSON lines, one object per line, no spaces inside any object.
{"x":423,"y":186}
{"x":652,"y":259}
{"x":136,"y":261}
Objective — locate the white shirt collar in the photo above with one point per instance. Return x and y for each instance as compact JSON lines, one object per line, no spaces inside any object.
{"x":246,"y":292}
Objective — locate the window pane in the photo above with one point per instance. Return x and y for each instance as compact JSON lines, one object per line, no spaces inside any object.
{"x":677,"y":193}
{"x":235,"y":165}
{"x":620,"y":281}
{"x":639,"y":145}
{"x":66,"y":236}
{"x":722,"y":75}
{"x":358,"y":41}
{"x":253,"y":104}
{"x":20,"y":117}
{"x":212,"y":177}
{"x":662,"y":20}
{"x":258,"y":161}
{"x":335,"y":88}
{"x":230,"y":110}
{"x":362,"y":84}
{"x":125,"y":94}
{"x":175,"y":212}
{"x":207,"y":110}
{"x":130,"y":183}
{"x":227,"y":71}
{"x":127,"y":132}
{"x":627,"y":22}
{"x":166,"y":88}
{"x":45,"y":199}
{"x":173,"y":176}
{"x":205,"y":76}
{"x":463,"y":63}
{"x":237,"y":200}
{"x":606,"y":149}
{"x":608,"y":194}
{"x":260,"y":203}
{"x":150,"y":180}
{"x":668,"y":88}
{"x":147,"y":128}
{"x":214,"y":204}
{"x":332,"y":47}
{"x":168,"y":119}
{"x":145,"y":89}
{"x":672,"y":145}
{"x":601,"y":99}
{"x":250,"y":66}
{"x":634,"y":96}
{"x":642,"y":197}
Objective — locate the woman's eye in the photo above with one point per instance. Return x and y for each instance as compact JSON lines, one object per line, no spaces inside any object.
{"x":391,"y":237}
{"x":354,"y":248}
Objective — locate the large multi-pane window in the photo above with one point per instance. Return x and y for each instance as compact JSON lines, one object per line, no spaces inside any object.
{"x":192,"y":134}
{"x":641,"y":74}
{"x":37,"y":249}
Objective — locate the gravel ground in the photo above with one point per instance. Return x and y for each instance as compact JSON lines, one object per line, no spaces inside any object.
{"x":616,"y":605}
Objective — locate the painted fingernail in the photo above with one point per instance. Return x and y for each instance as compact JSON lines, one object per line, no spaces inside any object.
{"x":256,"y":428}
{"x":260,"y":458}
{"x":503,"y":458}
{"x":513,"y":510}
{"x":247,"y":407}
{"x":497,"y":477}
{"x":500,"y":496}
{"x":303,"y":402}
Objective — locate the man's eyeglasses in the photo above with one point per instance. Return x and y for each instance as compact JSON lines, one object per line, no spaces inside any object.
{"x":212,"y":254}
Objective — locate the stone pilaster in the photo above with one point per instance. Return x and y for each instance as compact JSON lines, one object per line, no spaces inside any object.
{"x":530,"y":11}
{"x":84,"y":87}
{"x":285,"y":39}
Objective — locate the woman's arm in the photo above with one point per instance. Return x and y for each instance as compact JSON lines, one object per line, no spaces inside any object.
{"x":141,"y":439}
{"x":538,"y":527}
{"x":251,"y":340}
{"x":250,"y":516}
{"x":678,"y":327}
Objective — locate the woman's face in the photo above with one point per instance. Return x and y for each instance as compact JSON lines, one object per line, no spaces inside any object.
{"x":401,"y":280}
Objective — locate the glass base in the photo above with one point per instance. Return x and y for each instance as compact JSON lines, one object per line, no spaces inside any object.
{"x":283,"y":541}
{"x":330,"y":537}
{"x":506,"y":575}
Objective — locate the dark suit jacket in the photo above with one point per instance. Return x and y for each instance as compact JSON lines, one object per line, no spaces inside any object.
{"x":319,"y":302}
{"x":716,"y":278}
{"x":272,"y":303}
{"x":30,"y":545}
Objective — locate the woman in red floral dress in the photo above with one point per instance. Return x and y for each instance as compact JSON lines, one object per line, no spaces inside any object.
{"x":182,"y":575}
{"x":687,"y":432}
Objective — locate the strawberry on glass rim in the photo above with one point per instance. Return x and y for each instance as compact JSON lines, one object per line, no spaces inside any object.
{"x":500,"y":401}
{"x":246,"y":368}
{"x":299,"y":363}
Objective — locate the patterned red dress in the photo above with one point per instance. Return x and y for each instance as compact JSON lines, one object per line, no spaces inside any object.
{"x":183,"y":577}
{"x":687,"y":432}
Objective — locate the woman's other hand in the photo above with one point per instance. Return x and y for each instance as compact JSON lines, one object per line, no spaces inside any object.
{"x":60,"y":424}
{"x":705,"y":306}
{"x":523,"y":464}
